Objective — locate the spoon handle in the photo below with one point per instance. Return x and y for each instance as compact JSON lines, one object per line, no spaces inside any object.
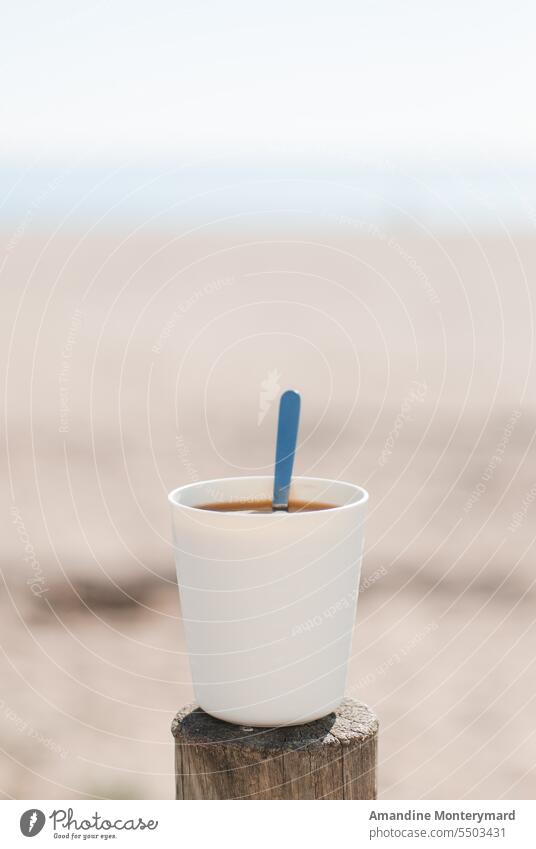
{"x":287,"y":434}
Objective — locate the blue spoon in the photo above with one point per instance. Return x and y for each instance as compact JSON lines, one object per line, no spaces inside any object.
{"x":287,"y":434}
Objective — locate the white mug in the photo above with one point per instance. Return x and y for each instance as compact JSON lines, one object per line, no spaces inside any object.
{"x":268,"y":600}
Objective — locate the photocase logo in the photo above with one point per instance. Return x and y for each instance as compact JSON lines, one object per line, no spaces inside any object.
{"x":65,"y":824}
{"x":31,"y":822}
{"x":270,"y":389}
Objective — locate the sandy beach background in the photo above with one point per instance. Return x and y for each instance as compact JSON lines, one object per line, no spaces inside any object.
{"x":135,"y":361}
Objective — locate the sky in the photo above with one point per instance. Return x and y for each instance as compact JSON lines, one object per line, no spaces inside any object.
{"x":287,"y":79}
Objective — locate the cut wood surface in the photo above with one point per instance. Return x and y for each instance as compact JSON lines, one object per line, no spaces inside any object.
{"x":331,"y":758}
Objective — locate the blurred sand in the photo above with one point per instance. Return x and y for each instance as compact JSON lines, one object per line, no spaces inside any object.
{"x":135,"y":364}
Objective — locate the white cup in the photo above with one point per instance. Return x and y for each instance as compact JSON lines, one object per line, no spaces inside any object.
{"x":268,"y":600}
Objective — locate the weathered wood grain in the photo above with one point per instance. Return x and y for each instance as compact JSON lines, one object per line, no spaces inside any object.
{"x":332,"y":758}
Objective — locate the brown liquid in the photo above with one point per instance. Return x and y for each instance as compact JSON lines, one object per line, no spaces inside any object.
{"x":265,"y":506}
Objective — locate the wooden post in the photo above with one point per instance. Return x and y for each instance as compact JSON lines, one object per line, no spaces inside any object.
{"x":332,"y":758}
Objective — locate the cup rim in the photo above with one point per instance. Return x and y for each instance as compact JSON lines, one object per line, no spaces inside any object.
{"x":364,"y":495}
